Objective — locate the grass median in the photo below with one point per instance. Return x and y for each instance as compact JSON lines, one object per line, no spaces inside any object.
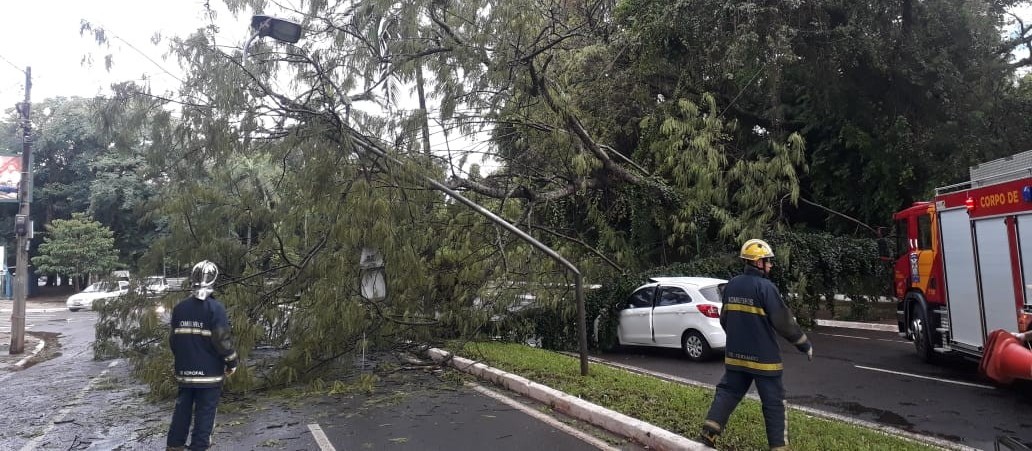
{"x":675,"y":407}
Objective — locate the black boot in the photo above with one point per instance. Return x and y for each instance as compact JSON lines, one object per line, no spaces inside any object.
{"x":709,"y":434}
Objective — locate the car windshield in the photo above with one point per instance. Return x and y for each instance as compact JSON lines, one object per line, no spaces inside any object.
{"x":712,"y":292}
{"x":101,"y":287}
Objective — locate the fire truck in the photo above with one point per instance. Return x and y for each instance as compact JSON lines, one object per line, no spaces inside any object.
{"x":963,"y":263}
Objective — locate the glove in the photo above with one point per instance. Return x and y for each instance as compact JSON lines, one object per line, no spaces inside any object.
{"x":806,"y":348}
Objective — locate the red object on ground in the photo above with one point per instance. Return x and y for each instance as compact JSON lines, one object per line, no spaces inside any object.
{"x":1005,"y":358}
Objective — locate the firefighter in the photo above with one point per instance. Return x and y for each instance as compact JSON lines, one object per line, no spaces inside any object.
{"x":751,"y":314}
{"x":204,"y":357}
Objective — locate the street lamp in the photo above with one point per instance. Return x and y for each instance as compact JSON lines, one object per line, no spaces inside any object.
{"x":371,"y":262}
{"x":373,"y":275}
{"x":279,"y":29}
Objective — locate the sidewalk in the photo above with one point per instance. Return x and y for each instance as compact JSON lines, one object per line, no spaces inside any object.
{"x":34,"y":343}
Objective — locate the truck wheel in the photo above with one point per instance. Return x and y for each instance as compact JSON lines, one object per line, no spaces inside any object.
{"x":922,"y":333}
{"x":695,"y":346}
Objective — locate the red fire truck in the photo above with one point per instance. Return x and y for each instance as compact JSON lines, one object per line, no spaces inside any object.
{"x":963,"y":262}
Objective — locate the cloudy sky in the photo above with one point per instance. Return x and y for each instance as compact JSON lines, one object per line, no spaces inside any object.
{"x":44,"y":34}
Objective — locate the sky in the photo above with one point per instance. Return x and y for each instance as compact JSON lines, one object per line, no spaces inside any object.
{"x":44,"y":34}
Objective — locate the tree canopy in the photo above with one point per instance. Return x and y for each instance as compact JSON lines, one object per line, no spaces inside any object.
{"x":78,"y":247}
{"x":626,"y":134}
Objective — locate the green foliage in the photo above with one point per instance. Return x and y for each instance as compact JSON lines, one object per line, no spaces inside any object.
{"x":891,"y":99}
{"x":678,"y":408}
{"x":78,"y":247}
{"x":628,"y":135}
{"x":136,"y":327}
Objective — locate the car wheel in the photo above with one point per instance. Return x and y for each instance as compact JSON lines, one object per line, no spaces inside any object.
{"x":695,"y":346}
{"x":74,"y":309}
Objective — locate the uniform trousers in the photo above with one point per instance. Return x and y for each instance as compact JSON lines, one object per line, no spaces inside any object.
{"x":199,"y":405}
{"x":734,"y":385}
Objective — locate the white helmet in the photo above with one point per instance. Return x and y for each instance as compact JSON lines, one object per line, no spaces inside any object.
{"x":202,"y":279}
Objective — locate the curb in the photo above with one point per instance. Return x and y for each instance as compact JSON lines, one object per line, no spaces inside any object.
{"x":644,"y":433}
{"x":856,"y":325}
{"x":39,"y":347}
{"x":924,"y":439}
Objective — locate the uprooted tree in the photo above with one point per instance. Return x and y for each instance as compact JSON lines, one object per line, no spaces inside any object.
{"x":624,"y":135}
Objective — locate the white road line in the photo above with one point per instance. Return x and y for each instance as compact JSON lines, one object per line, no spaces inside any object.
{"x":863,"y":338}
{"x":544,"y":418}
{"x":857,"y":325}
{"x":320,"y":438}
{"x":968,"y":384}
{"x":31,"y":446}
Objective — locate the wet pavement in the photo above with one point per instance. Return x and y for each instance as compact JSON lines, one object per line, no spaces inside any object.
{"x":37,"y":312}
{"x":68,"y":401}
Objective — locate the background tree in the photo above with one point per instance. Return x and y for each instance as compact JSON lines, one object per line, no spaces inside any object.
{"x":78,"y":247}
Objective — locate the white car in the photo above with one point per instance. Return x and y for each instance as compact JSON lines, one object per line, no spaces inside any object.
{"x":100,"y":290}
{"x":675,"y":312}
{"x":154,"y":286}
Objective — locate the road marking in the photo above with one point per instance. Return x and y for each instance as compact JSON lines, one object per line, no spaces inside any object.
{"x":320,"y":438}
{"x":31,"y":446}
{"x":544,"y":418}
{"x":948,"y":381}
{"x":863,"y":338}
{"x":857,"y":325}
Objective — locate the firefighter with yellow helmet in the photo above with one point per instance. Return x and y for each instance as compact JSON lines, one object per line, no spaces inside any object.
{"x":752,"y":314}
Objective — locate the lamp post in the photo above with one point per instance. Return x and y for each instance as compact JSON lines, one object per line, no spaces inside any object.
{"x":287,"y":31}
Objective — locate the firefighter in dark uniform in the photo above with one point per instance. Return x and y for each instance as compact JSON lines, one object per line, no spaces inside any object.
{"x":751,"y":314}
{"x":203,"y":348}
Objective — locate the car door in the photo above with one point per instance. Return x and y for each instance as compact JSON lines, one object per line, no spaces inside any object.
{"x":671,"y":315}
{"x":635,"y":326}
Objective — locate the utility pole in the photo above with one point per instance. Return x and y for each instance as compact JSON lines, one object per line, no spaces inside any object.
{"x":22,"y":225}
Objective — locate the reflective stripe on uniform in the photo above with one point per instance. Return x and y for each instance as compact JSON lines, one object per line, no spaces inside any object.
{"x":753,"y":365}
{"x":231,"y":357}
{"x":746,"y":309}
{"x":191,"y":331}
{"x":198,"y":379}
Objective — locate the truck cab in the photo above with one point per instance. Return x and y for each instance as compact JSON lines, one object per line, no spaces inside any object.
{"x":917,"y":277}
{"x":962,"y":263}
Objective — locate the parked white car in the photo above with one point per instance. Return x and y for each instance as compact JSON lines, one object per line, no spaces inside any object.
{"x":101,"y":290}
{"x":675,"y":312}
{"x":154,"y":286}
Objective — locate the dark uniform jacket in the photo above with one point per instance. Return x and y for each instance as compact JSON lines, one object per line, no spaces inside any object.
{"x":752,"y":312}
{"x":201,"y":342}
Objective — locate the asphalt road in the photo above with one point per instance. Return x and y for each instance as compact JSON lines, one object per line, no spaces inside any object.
{"x":71,"y":402}
{"x":876,"y":376}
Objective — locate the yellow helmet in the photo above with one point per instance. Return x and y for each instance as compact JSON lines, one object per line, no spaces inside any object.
{"x":755,"y":249}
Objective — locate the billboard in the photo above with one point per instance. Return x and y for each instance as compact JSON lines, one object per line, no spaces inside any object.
{"x":10,"y":176}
